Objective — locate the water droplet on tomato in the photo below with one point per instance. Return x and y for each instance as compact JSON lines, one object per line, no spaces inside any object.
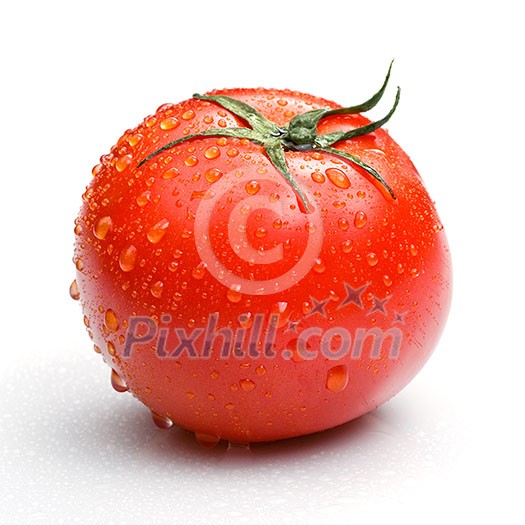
{"x":337,"y":378}
{"x":170,"y":173}
{"x":169,"y":123}
{"x":163,"y":422}
{"x":117,"y":382}
{"x":372,"y":259}
{"x":188,"y":115}
{"x":191,"y":160}
{"x":127,"y":258}
{"x":123,"y":162}
{"x":97,"y":349}
{"x":144,"y":198}
{"x":214,"y":374}
{"x":229,"y":406}
{"x":319,"y":177}
{"x":234,"y":295}
{"x":157,"y":232}
{"x":111,"y":320}
{"x":310,"y":227}
{"x":102,"y":227}
{"x":360,"y":219}
{"x":261,"y":232}
{"x":212,"y":152}
{"x":111,"y":349}
{"x":260,"y":370}
{"x":134,"y":139}
{"x":343,"y":224}
{"x":247,"y":385}
{"x":319,"y":266}
{"x":199,"y":271}
{"x":346,"y":246}
{"x":156,"y":289}
{"x":252,"y":187}
{"x":207,"y":440}
{"x":213,"y":175}
{"x":338,"y":178}
{"x":73,"y":291}
{"x":387,"y":280}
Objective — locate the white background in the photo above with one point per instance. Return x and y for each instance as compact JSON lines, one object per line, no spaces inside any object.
{"x":74,"y":75}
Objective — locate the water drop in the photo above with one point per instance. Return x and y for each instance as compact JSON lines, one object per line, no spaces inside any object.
{"x":191,"y":160}
{"x":169,"y":123}
{"x":127,"y":258}
{"x":199,"y":271}
{"x":360,"y":219}
{"x":247,"y":385}
{"x":123,"y":162}
{"x":212,"y":152}
{"x":170,"y":173}
{"x":117,"y":382}
{"x":157,"y":289}
{"x":207,"y":440}
{"x":157,"y":232}
{"x":73,"y":291}
{"x":111,"y":349}
{"x":102,"y":227}
{"x":261,"y":232}
{"x":252,"y":187}
{"x":229,"y":406}
{"x":188,"y":115}
{"x":144,"y":198}
{"x":213,"y":175}
{"x":234,"y":295}
{"x":337,"y":378}
{"x":111,"y":320}
{"x":346,"y":246}
{"x":134,"y":139}
{"x":343,"y":224}
{"x":372,"y":259}
{"x":319,"y":266}
{"x":310,"y":227}
{"x":161,"y":421}
{"x":338,"y":178}
{"x":79,"y":264}
{"x":319,"y":177}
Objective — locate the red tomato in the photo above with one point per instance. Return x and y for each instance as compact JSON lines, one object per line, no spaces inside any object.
{"x":258,"y":264}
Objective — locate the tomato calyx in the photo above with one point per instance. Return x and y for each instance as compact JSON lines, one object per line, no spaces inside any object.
{"x":300,"y":135}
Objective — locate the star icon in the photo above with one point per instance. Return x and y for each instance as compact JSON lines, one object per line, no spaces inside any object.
{"x":292,"y":326}
{"x":399,"y":318}
{"x":379,"y":304}
{"x":353,"y":296}
{"x":318,"y":307}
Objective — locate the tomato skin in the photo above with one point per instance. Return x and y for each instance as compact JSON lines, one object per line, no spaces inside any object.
{"x":158,"y":241}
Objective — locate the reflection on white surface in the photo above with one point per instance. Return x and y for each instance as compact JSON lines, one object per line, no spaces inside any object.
{"x":72,"y":443}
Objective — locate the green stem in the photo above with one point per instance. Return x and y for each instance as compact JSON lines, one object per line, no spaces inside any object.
{"x":300,"y":135}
